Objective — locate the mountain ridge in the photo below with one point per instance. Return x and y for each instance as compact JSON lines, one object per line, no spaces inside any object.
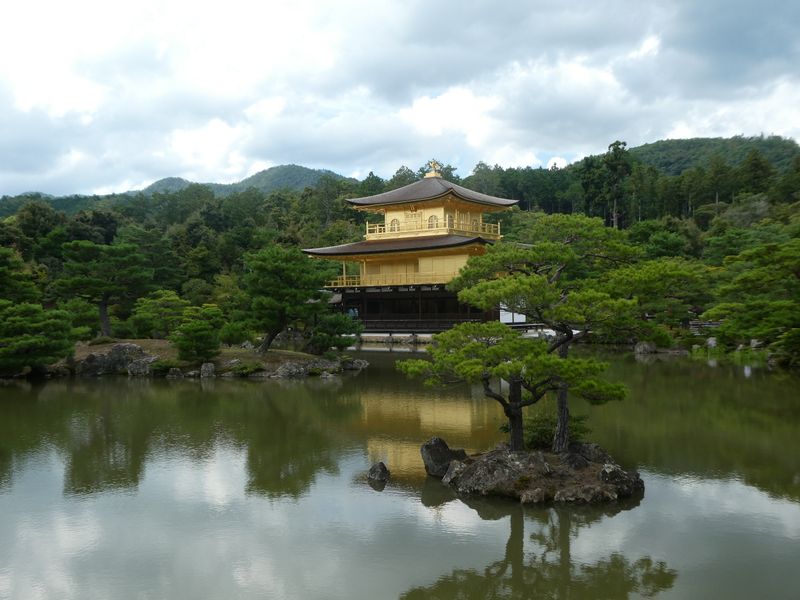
{"x":291,"y":176}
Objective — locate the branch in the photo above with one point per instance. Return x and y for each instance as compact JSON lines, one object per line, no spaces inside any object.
{"x":539,"y":390}
{"x":557,"y":275}
{"x":566,"y":339}
{"x":490,"y":393}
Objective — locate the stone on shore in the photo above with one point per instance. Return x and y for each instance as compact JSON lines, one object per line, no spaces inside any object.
{"x":114,"y":362}
{"x":437,"y":456}
{"x":645,"y":348}
{"x":174,"y":373}
{"x":206,"y":370}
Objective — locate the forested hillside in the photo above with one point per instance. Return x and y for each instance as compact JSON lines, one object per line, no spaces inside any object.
{"x":288,"y":177}
{"x":722,"y":240}
{"x":673,"y":157}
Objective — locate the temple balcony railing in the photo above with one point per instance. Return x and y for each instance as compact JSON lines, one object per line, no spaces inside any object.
{"x":379,"y":231}
{"x":391,"y":279}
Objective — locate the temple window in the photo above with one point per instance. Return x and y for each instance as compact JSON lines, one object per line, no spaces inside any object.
{"x":433,"y":222}
{"x":394,"y":225}
{"x":450,"y":221}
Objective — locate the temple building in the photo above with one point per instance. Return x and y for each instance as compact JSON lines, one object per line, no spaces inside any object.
{"x":430,"y":228}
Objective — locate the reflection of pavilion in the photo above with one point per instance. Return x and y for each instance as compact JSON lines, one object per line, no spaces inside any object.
{"x":397,"y":424}
{"x":431,"y":227}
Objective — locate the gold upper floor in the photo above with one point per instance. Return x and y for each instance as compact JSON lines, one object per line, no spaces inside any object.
{"x":446,"y":216}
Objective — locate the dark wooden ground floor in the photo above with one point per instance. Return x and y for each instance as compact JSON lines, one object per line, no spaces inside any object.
{"x":413,"y":309}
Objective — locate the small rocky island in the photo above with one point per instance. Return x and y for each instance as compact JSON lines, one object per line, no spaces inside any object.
{"x":155,"y":358}
{"x":585,"y":474}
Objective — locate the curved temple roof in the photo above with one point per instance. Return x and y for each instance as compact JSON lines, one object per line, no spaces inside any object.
{"x":430,"y":188}
{"x":415,"y":244}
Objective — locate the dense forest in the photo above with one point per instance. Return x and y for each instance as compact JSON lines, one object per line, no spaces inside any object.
{"x":163,"y":263}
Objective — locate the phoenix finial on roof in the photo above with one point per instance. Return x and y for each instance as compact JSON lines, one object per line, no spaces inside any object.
{"x":434,"y":167}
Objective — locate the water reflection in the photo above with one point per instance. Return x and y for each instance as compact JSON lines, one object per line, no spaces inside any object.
{"x":682,"y":418}
{"x":542,"y":565}
{"x":107,"y":430}
{"x":118,"y":488}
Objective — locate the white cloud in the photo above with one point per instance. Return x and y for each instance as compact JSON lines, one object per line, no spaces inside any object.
{"x":457,"y":111}
{"x":211,"y":148}
{"x":213,"y":91}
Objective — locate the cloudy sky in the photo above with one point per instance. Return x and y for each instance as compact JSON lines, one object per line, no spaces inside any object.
{"x":99,"y":96}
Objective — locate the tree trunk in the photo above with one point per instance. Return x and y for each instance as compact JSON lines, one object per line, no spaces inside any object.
{"x":513,"y":412}
{"x":105,"y":323}
{"x":269,"y":337}
{"x":561,"y":437}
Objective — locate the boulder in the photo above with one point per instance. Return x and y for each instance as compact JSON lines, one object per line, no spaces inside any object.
{"x":378,"y":472}
{"x":591,"y":452}
{"x":645,"y":348}
{"x":114,"y":362}
{"x":711,"y":342}
{"x":626,"y":482}
{"x":499,"y":472}
{"x":141,"y":367}
{"x":290,"y":370}
{"x":354,"y":364}
{"x":207,"y":370}
{"x":174,"y":373}
{"x":437,"y":455}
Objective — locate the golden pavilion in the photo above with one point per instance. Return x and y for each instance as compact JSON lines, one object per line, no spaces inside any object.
{"x":430,"y":228}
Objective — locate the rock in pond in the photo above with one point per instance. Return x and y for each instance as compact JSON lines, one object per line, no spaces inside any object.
{"x":207,"y":370}
{"x":378,"y":472}
{"x":377,"y":476}
{"x":437,"y":456}
{"x":585,"y":474}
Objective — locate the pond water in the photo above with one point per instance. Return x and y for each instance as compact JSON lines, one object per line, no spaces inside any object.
{"x":237,"y":489}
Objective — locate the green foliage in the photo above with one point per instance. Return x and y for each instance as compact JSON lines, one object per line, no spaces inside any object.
{"x":539,"y":428}
{"x":760,"y":295}
{"x":786,"y":349}
{"x":16,"y":281}
{"x":32,"y":337}
{"x":668,"y":290}
{"x":673,"y":157}
{"x":707,"y":200}
{"x":197,"y":291}
{"x":158,"y":314}
{"x":234,"y":333}
{"x":284,"y":286}
{"x":162,"y":367}
{"x":245,"y":369}
{"x":488,"y":352}
{"x":103,"y":275}
{"x":197,"y":337}
{"x":101,"y":339}
{"x":83,"y":316}
{"x":333,"y":330}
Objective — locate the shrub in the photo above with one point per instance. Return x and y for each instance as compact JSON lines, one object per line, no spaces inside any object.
{"x":540,"y":426}
{"x":162,"y":367}
{"x":234,"y":333}
{"x":197,"y":338}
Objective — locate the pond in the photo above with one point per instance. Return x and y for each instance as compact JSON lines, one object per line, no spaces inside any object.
{"x":123,"y":488}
